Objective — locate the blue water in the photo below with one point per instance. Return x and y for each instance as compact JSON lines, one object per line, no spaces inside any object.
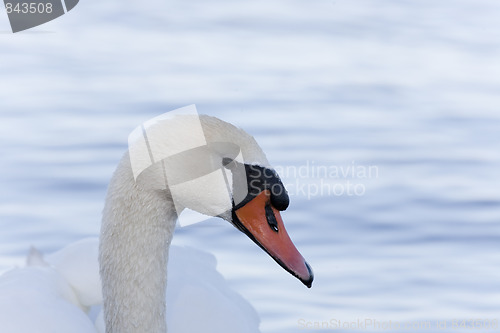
{"x":408,"y":88}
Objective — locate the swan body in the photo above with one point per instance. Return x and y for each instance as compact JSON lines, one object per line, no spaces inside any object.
{"x":233,"y":180}
{"x":38,"y":299}
{"x":61,"y":293}
{"x":52,"y":294}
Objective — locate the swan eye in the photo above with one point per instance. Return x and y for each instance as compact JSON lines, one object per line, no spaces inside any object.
{"x":271,"y":218}
{"x":226,"y":161}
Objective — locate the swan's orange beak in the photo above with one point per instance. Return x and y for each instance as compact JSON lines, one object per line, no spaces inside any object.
{"x":263,"y":224}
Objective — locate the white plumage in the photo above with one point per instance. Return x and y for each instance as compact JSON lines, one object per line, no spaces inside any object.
{"x":62,"y":294}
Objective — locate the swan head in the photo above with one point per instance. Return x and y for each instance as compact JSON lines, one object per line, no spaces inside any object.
{"x":212,"y":167}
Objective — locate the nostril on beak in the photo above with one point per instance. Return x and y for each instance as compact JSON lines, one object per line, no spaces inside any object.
{"x":271,"y":219}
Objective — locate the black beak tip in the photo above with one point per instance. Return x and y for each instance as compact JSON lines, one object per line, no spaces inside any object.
{"x":308,"y":282}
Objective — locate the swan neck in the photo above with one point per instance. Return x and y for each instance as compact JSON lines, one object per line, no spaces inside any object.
{"x":136,"y":233}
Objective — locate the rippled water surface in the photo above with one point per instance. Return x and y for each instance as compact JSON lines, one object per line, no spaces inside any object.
{"x":396,"y":100}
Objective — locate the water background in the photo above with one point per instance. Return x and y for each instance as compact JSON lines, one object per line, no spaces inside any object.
{"x":410,"y":88}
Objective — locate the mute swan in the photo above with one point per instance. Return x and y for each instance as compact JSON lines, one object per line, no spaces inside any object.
{"x":141,"y":211}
